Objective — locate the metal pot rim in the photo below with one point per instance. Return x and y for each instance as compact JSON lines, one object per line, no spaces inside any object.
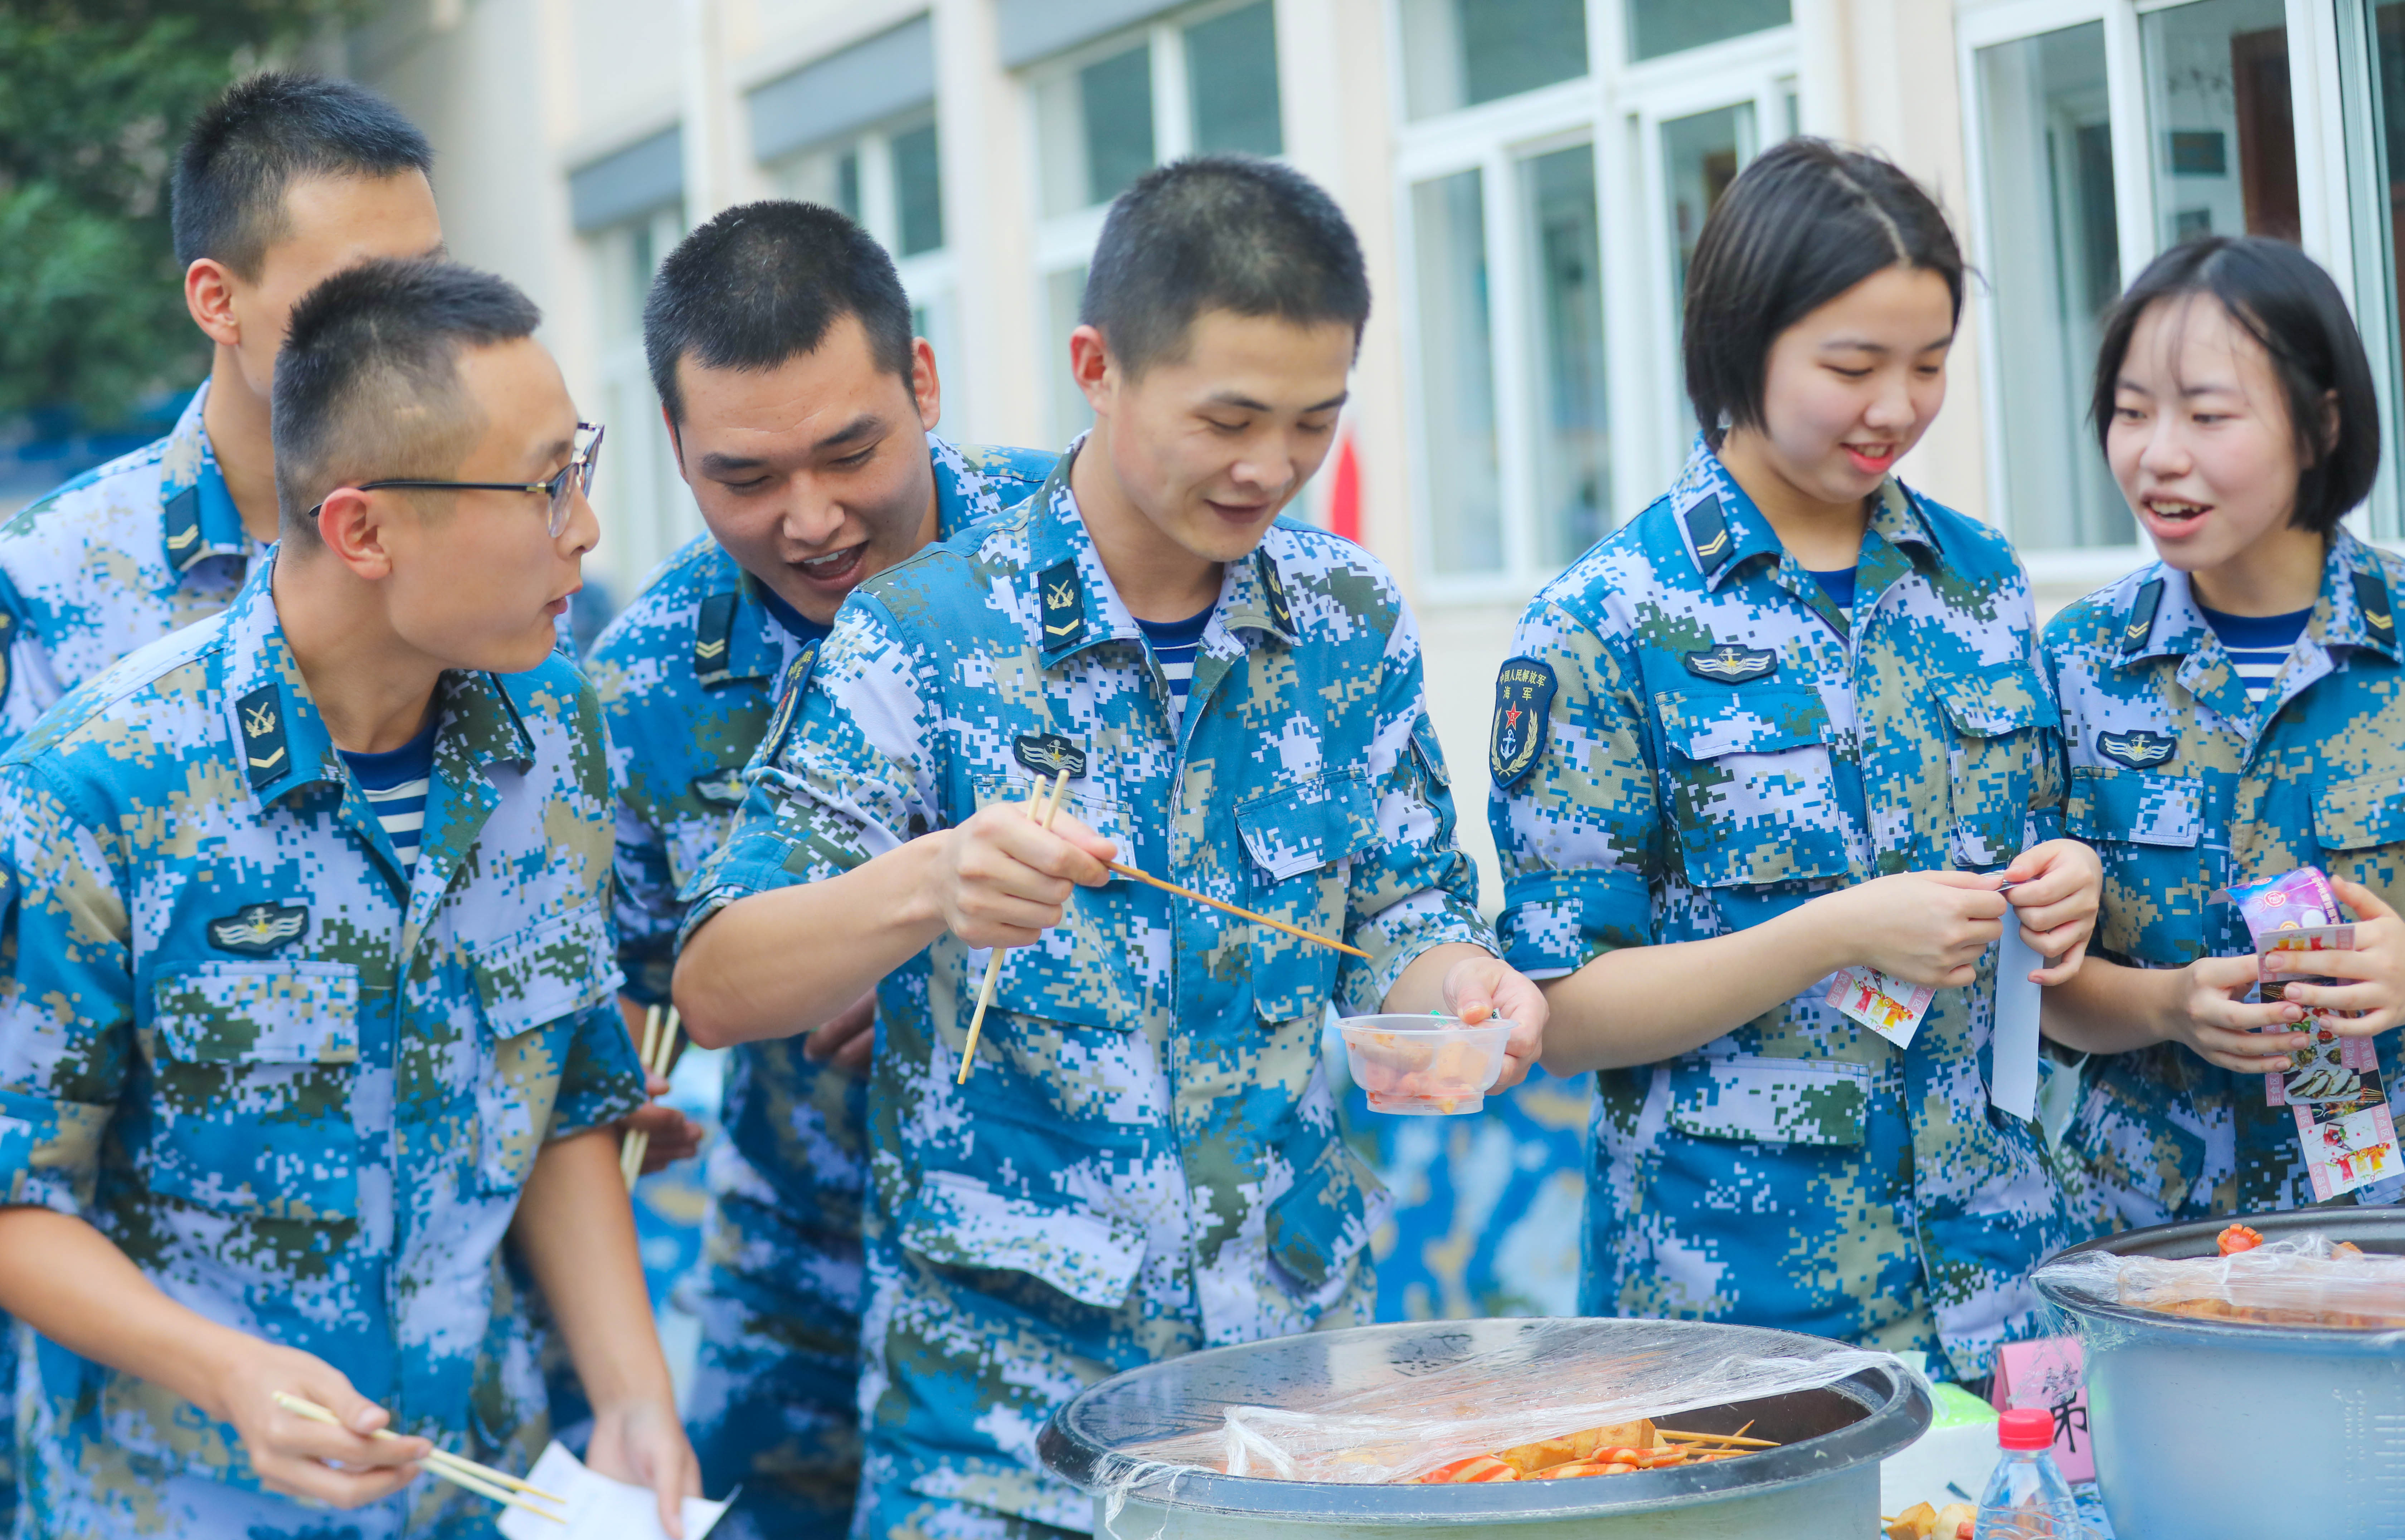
{"x":1897,"y":1410}
{"x":2175,"y":1240}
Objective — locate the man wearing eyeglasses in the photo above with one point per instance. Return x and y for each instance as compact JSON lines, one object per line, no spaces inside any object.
{"x":307,"y":1009}
{"x":801,"y":409}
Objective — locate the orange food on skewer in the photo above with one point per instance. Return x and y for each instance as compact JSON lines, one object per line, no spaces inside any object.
{"x":1477,"y":1467}
{"x":2239,"y":1238}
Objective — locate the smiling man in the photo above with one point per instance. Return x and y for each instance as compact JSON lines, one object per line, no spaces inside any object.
{"x":800,"y":407}
{"x":1147,"y":1162}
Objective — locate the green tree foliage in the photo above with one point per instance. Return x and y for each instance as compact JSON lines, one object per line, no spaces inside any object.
{"x":94,"y":97}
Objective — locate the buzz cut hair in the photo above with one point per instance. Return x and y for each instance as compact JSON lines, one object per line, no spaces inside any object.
{"x":368,"y":387}
{"x":249,"y":146}
{"x":1230,"y":232}
{"x":761,"y":284}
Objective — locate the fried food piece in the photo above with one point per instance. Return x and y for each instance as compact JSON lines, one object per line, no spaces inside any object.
{"x":1566,"y":1448}
{"x":1955,"y":1522}
{"x":1585,"y":1467}
{"x":1476,"y":1467}
{"x":1914,"y":1523}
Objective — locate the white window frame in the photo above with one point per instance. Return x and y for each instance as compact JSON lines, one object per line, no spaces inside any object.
{"x":644,"y":528}
{"x":2327,"y":110}
{"x":1619,"y":107}
{"x":1063,"y":242}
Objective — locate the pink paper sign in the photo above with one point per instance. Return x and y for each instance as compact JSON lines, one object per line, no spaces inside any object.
{"x":2047,"y":1373}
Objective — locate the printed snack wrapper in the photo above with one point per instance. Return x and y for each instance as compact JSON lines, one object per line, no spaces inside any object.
{"x":1888,"y":1006}
{"x":2301,"y":1281}
{"x":1558,"y":1377}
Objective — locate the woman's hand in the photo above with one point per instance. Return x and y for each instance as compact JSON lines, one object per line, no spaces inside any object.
{"x":643,"y":1443}
{"x":2058,"y":888}
{"x":2372,"y":974}
{"x":849,"y":1041}
{"x":345,"y":1466}
{"x":1923,"y":927}
{"x":2213,"y":1017}
{"x":1481,"y":987}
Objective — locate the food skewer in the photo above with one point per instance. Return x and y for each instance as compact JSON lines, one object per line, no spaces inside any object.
{"x":483,"y":1480}
{"x":1736,"y":1440}
{"x":1042,"y":809}
{"x":1125,"y":871}
{"x":659,"y":1051}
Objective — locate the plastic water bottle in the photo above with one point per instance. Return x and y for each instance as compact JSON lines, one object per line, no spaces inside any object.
{"x":2027,"y":1499}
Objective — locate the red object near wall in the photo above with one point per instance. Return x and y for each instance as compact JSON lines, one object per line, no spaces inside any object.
{"x":1344,"y":491}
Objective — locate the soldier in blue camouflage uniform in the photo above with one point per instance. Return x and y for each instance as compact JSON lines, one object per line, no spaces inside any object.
{"x":772,"y":308}
{"x":1720,"y":779}
{"x":1145,"y":1161}
{"x":2197,"y":761}
{"x":281,"y":182}
{"x":291,"y":1034}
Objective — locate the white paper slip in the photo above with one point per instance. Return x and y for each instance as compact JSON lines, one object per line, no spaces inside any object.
{"x":599,"y":1508}
{"x":2012,"y":1086}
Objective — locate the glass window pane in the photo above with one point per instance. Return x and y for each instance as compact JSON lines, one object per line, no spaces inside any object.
{"x":1657,"y":27}
{"x":1458,"y":54}
{"x":917,"y":191}
{"x":2224,"y":142}
{"x":1232,"y":79}
{"x":2380,"y":218}
{"x":1063,"y":292}
{"x":1458,"y":376}
{"x":1566,"y":349}
{"x":1115,"y":106}
{"x":2054,"y":270}
{"x":1700,"y":157}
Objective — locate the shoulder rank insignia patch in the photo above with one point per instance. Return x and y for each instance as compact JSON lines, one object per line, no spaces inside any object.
{"x":1708,"y":530}
{"x":1047,"y":754}
{"x":723,"y":789}
{"x":2372,"y":597}
{"x":711,"y":635}
{"x":255,"y":929}
{"x":1274,"y":587}
{"x":2140,"y":625}
{"x":1063,"y":597}
{"x":2139,"y":750}
{"x":262,"y":734}
{"x":1524,"y":702}
{"x":183,"y":522}
{"x":1729,"y":664}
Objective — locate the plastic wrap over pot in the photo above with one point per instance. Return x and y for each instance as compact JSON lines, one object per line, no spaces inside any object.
{"x":2297,"y":1280}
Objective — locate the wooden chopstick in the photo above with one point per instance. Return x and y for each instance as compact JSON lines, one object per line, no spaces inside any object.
{"x":659,"y":1052}
{"x":1731,"y":1439}
{"x":1043,"y":809}
{"x":483,"y":1480}
{"x":1127,"y":871}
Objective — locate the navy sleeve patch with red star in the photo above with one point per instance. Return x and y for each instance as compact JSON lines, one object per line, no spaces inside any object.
{"x":1523,"y":700}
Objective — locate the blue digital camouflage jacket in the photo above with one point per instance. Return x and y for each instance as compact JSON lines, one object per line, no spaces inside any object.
{"x":113,"y":560}
{"x":1691,"y":739}
{"x":1146,"y":1160}
{"x":2183,"y":787}
{"x":301,"y":1091}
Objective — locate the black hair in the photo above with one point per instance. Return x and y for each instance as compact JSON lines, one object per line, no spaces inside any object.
{"x":249,"y":145}
{"x":2282,"y":299}
{"x":368,"y":383}
{"x":1803,"y":223}
{"x":1219,"y":232}
{"x":763,"y":282}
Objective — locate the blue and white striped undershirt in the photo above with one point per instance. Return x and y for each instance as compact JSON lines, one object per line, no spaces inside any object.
{"x":395,"y":783}
{"x":2257,"y":646}
{"x":1174,"y":643}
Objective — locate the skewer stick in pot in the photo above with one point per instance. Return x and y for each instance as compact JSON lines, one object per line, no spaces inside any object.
{"x":1043,"y":808}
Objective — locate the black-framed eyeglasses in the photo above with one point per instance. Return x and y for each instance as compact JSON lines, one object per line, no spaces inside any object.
{"x":584,"y":455}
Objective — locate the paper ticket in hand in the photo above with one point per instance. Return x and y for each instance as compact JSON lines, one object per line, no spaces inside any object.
{"x":599,"y":1508}
{"x":1888,"y":1006}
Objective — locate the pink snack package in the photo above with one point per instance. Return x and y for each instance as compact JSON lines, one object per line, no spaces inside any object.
{"x":2290,"y":901}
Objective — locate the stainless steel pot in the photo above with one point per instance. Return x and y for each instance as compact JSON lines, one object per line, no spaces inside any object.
{"x":1822,"y":1480}
{"x":2208,"y":1428}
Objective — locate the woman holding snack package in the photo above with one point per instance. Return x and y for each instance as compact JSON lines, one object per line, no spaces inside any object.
{"x":2232,"y":713}
{"x":1763,"y":762}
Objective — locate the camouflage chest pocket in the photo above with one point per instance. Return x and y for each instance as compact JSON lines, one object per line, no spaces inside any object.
{"x":531,"y":987}
{"x":1298,"y":841}
{"x":1770,"y":1101}
{"x":2359,"y":820}
{"x":1991,"y":761}
{"x":250,"y":1113}
{"x":2144,"y":826}
{"x":1079,"y":972}
{"x":1750,"y":787}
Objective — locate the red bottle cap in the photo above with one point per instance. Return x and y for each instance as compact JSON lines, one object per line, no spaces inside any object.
{"x":2026,"y":1428}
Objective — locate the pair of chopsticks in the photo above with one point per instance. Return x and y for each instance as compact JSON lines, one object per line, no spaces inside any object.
{"x":483,"y":1480}
{"x":1043,"y":809}
{"x":659,"y":1050}
{"x":1127,"y":871}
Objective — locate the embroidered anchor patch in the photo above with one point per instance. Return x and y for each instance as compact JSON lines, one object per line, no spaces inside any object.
{"x":1065,"y":604}
{"x":262,"y":734}
{"x":2138,"y":750}
{"x":1730,"y":664}
{"x":255,"y":929}
{"x":1048,"y":754}
{"x":1523,"y":697}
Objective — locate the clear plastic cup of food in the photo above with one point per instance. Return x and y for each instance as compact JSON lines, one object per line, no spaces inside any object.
{"x":1422,"y":1065}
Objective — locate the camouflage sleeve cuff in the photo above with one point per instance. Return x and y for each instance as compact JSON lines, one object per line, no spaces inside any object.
{"x":604,"y":1081}
{"x":49,"y":1151}
{"x":1558,"y":922}
{"x":1395,"y":939}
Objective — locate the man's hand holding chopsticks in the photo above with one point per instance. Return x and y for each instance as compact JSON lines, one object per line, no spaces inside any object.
{"x":1002,"y":880}
{"x":346,"y":1466}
